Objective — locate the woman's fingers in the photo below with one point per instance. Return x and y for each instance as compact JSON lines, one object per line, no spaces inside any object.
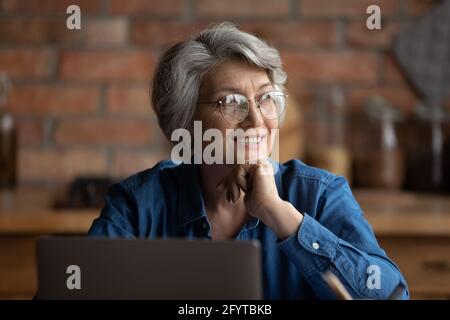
{"x":237,"y":182}
{"x":233,"y":184}
{"x":265,"y":167}
{"x":241,"y":178}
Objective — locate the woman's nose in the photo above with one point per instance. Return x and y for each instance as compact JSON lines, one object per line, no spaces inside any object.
{"x":254,"y":117}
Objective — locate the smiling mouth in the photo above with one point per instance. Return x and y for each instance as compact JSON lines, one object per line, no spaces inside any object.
{"x":251,"y":140}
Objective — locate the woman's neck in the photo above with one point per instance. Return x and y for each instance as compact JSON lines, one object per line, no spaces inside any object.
{"x":210,"y":177}
{"x":226,"y":218}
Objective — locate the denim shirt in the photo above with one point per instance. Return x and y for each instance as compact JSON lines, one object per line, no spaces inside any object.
{"x":166,"y":201}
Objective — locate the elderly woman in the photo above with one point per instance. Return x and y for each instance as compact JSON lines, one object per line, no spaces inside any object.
{"x":305,"y":218}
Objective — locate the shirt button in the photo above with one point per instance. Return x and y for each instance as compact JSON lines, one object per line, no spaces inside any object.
{"x":315,"y":245}
{"x":205,"y":225}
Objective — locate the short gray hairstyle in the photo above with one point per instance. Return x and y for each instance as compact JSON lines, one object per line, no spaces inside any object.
{"x":179,"y":72}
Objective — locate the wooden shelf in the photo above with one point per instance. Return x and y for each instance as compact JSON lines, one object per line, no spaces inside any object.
{"x":30,"y":211}
{"x":391,"y":213}
{"x":414,"y":229}
{"x":405,"y":213}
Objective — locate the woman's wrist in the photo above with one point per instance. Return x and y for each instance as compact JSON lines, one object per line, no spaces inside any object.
{"x":282,"y":217}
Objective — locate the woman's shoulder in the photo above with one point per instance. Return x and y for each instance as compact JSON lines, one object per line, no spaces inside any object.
{"x":309,"y":186}
{"x":298,"y":170}
{"x":155,"y":177}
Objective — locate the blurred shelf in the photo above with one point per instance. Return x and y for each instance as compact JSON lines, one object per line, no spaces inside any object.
{"x":30,"y":211}
{"x":405,"y":213}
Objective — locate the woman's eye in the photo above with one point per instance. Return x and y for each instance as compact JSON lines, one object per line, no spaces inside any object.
{"x":229,"y":100}
{"x":241,"y":107}
{"x":265,"y":98}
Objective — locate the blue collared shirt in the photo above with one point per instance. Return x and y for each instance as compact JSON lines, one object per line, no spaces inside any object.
{"x":166,"y":201}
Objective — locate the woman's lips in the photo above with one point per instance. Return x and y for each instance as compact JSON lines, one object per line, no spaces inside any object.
{"x":249,"y":140}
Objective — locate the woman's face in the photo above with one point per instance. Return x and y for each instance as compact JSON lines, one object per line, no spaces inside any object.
{"x":238,"y":77}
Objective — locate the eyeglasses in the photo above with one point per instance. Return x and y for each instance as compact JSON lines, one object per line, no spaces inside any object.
{"x":235,"y":107}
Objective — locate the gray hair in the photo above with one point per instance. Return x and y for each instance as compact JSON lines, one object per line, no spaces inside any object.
{"x":178,"y":75}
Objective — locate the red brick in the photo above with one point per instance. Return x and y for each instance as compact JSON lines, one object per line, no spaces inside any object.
{"x":358,"y":34}
{"x":345,"y":8}
{"x":129,"y":100}
{"x":415,"y":8}
{"x":106,"y":65}
{"x":45,"y":99}
{"x":32,"y":31}
{"x":239,"y":8}
{"x":303,"y":34}
{"x":309,"y":34}
{"x":126,"y":163}
{"x":145,"y":32}
{"x":31,"y":131}
{"x":104,"y":132}
{"x":392,"y":71}
{"x":401,"y":97}
{"x":157,"y":7}
{"x":49,"y":6}
{"x":19,"y":63}
{"x":59,"y":165}
{"x":331,"y":66}
{"x":105,"y":32}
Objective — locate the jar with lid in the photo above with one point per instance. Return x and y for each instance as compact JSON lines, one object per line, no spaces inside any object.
{"x":380,"y":162}
{"x":425,"y":170}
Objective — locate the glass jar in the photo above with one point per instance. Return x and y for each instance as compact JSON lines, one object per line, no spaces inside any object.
{"x":426,"y":149}
{"x":8,"y":139}
{"x":446,"y":158}
{"x":325,"y":145}
{"x":380,"y":162}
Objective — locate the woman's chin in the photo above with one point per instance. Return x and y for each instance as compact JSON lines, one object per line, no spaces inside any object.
{"x":250,"y":156}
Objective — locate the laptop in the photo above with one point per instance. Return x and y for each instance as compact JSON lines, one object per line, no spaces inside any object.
{"x":101,"y":268}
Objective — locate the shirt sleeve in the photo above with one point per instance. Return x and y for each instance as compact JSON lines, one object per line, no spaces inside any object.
{"x":116,"y":218}
{"x":339,"y":239}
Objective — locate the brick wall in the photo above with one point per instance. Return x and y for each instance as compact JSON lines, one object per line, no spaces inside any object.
{"x":81,"y":97}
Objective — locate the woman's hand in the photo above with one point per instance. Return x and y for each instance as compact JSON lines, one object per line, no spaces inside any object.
{"x":258,"y":184}
{"x":261,"y":199}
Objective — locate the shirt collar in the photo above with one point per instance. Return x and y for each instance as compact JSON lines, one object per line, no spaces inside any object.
{"x":191,"y":206}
